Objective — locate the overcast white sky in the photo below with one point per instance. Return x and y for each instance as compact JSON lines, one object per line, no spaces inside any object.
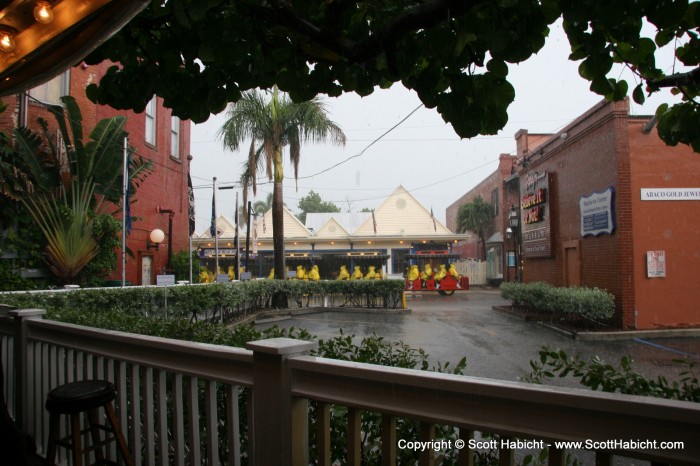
{"x":423,"y":153}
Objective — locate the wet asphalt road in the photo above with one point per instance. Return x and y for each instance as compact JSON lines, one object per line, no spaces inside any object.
{"x":496,"y":344}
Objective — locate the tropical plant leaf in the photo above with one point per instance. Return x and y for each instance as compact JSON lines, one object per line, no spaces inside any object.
{"x":67,"y":224}
{"x":29,"y":149}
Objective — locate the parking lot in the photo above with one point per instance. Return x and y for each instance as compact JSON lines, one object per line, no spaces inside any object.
{"x":496,"y":344}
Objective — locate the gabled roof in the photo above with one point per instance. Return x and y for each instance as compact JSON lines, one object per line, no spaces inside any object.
{"x":402,"y":214}
{"x":349,"y":221}
{"x":226,"y":228}
{"x":293,"y":228}
{"x":331,"y":229}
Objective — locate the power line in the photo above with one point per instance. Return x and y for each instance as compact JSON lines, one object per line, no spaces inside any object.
{"x":367,"y":147}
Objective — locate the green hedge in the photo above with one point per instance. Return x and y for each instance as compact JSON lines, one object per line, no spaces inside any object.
{"x":181,"y":301}
{"x":589,"y":303}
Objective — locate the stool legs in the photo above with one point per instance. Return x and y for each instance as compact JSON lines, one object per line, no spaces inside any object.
{"x":94,"y":421}
{"x":121,"y":442}
{"x":76,"y":443}
{"x":75,"y":436}
{"x":54,"y":426}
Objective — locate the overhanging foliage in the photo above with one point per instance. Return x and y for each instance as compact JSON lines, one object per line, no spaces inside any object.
{"x":453,"y":53}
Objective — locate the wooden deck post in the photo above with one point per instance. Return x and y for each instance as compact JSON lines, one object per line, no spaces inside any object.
{"x":280,"y":422}
{"x":21,"y":362}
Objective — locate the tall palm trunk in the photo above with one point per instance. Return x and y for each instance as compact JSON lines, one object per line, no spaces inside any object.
{"x":279,"y":300}
{"x":278,"y":231}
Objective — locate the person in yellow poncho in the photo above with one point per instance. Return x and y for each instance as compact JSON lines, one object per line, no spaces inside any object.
{"x":427,"y":272}
{"x":371,"y":273}
{"x":314,"y":274}
{"x":357,"y":273}
{"x":343,"y":274}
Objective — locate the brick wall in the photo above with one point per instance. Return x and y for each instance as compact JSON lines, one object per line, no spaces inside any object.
{"x":588,"y":156}
{"x":671,"y":226}
{"x":166,"y":187}
{"x":495,"y":181}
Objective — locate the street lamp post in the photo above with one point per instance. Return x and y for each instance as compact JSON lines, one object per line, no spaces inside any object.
{"x":171,"y":214}
{"x":514,"y":226}
{"x":509,"y":234}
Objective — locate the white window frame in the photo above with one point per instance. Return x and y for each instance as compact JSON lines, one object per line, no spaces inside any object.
{"x":175,"y":137}
{"x":150,"y":134}
{"x":51,"y":91}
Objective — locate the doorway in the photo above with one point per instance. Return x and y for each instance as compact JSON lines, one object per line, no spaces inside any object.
{"x":146,"y":270}
{"x":572,"y":263}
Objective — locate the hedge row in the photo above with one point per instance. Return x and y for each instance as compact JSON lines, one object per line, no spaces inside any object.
{"x":590,"y":303}
{"x":181,"y":301}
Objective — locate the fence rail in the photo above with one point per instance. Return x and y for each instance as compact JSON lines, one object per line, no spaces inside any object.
{"x":186,"y":403}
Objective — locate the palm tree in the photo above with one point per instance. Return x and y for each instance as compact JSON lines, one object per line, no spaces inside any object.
{"x":475,"y":216}
{"x":262,"y":206}
{"x":68,"y":187}
{"x":92,"y":162}
{"x":272,"y":125}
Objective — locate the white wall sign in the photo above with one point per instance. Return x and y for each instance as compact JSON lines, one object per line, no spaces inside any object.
{"x":656,"y":264}
{"x":165,"y":280}
{"x":597,"y":213}
{"x":670,"y":194}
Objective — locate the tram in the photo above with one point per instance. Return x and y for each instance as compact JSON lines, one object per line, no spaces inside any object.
{"x":432,"y":270}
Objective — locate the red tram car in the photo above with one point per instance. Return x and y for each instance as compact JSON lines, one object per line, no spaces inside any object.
{"x":431,"y":270}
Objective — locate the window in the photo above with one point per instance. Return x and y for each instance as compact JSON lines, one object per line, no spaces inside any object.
{"x":151,"y":122}
{"x":51,"y":92}
{"x":175,"y":137}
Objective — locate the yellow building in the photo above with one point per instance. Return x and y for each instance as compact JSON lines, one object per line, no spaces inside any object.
{"x":385,"y":239}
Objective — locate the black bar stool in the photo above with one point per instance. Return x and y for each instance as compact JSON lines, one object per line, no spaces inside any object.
{"x":75,"y":398}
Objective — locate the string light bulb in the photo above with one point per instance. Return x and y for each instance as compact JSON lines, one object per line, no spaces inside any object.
{"x":7,"y":40}
{"x":43,"y":12}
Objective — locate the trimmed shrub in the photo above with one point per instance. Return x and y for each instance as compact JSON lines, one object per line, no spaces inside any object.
{"x":183,"y":301}
{"x":575,"y":302}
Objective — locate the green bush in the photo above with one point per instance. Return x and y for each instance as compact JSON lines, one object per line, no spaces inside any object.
{"x":11,"y":280}
{"x":182,"y":301}
{"x":598,"y":375}
{"x":575,"y":302}
{"x":181,"y":266}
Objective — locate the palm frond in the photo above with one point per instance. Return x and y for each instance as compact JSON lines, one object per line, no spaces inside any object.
{"x":67,"y":226}
{"x":29,"y":149}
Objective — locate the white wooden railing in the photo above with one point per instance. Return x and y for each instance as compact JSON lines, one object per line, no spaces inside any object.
{"x":179,"y":401}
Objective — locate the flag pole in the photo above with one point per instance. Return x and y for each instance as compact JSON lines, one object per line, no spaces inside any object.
{"x":216,"y":230}
{"x":237,"y":274}
{"x":190,"y":211}
{"x":125,"y":181}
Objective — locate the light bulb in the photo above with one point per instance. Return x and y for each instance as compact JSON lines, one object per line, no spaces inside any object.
{"x":157,"y":236}
{"x":43,"y":12}
{"x":7,"y":41}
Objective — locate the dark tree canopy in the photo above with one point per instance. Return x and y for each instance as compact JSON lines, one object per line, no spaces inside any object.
{"x":201,"y":54}
{"x":312,"y":203}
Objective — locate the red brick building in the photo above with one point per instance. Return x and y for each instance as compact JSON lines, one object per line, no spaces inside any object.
{"x":155,"y":134}
{"x":605,"y":203}
{"x":492,"y":191}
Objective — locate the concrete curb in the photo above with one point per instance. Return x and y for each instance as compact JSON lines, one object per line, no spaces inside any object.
{"x":286,"y":314}
{"x":617,"y":335}
{"x":637,"y":334}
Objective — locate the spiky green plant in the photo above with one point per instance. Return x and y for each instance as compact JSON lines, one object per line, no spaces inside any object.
{"x":67,"y":223}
